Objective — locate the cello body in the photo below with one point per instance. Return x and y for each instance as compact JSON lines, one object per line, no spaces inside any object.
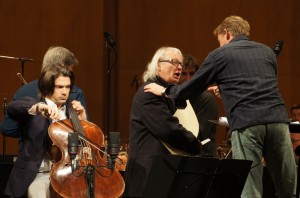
{"x":87,"y":175}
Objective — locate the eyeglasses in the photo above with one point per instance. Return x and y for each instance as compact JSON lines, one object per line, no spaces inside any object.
{"x":174,"y":62}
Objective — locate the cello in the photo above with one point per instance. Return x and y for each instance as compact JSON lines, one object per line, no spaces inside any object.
{"x":87,"y":175}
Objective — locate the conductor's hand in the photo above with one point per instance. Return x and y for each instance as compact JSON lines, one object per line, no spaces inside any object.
{"x":215,"y":90}
{"x":154,"y":88}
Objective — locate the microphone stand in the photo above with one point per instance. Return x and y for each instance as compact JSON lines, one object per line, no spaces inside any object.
{"x":90,"y":179}
{"x":4,"y":138}
{"x":136,"y":82}
{"x":22,"y":61}
{"x":108,"y":90}
{"x":109,"y":68}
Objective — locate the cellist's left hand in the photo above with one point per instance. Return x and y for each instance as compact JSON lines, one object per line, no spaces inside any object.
{"x":79,"y":110}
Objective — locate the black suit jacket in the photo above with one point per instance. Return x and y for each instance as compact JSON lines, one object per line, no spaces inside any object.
{"x":34,"y":137}
{"x":151,"y":121}
{"x":206,"y":108}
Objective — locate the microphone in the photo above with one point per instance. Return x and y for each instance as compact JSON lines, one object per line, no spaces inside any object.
{"x":278,"y":47}
{"x":113,"y":148}
{"x":25,"y":59}
{"x":73,"y":145}
{"x":110,"y":41}
{"x":134,"y":80}
{"x":4,"y":106}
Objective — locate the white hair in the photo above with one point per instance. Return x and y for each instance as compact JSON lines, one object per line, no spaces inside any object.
{"x":152,"y":66}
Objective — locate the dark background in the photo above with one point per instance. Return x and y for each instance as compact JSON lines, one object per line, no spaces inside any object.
{"x":28,"y":28}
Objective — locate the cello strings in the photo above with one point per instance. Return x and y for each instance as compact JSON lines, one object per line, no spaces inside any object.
{"x":84,"y":141}
{"x":86,"y":149}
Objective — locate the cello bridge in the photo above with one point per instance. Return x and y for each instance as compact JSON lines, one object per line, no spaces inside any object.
{"x":86,"y":153}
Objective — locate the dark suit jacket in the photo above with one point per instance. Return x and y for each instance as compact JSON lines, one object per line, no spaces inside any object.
{"x":34,"y":135}
{"x":9,"y":127}
{"x":152,"y":120}
{"x":206,"y":108}
{"x":246,"y":73}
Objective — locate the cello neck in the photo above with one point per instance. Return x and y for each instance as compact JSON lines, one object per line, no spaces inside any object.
{"x":74,"y":119}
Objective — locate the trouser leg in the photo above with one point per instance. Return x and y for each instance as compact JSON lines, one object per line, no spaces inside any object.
{"x":247,"y":145}
{"x":39,"y":188}
{"x":280,"y":160}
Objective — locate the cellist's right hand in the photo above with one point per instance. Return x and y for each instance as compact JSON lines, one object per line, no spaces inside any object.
{"x":46,"y":110}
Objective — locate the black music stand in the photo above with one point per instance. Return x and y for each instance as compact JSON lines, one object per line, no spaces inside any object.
{"x":294,"y":127}
{"x":176,"y":176}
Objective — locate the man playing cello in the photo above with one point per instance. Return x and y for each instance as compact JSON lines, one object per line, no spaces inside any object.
{"x":30,"y":174}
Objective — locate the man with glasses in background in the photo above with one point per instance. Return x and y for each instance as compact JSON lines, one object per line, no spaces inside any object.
{"x":205,"y":106}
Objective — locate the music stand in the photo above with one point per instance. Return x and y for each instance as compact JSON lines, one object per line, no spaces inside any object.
{"x":294,"y":127}
{"x":177,"y":176}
